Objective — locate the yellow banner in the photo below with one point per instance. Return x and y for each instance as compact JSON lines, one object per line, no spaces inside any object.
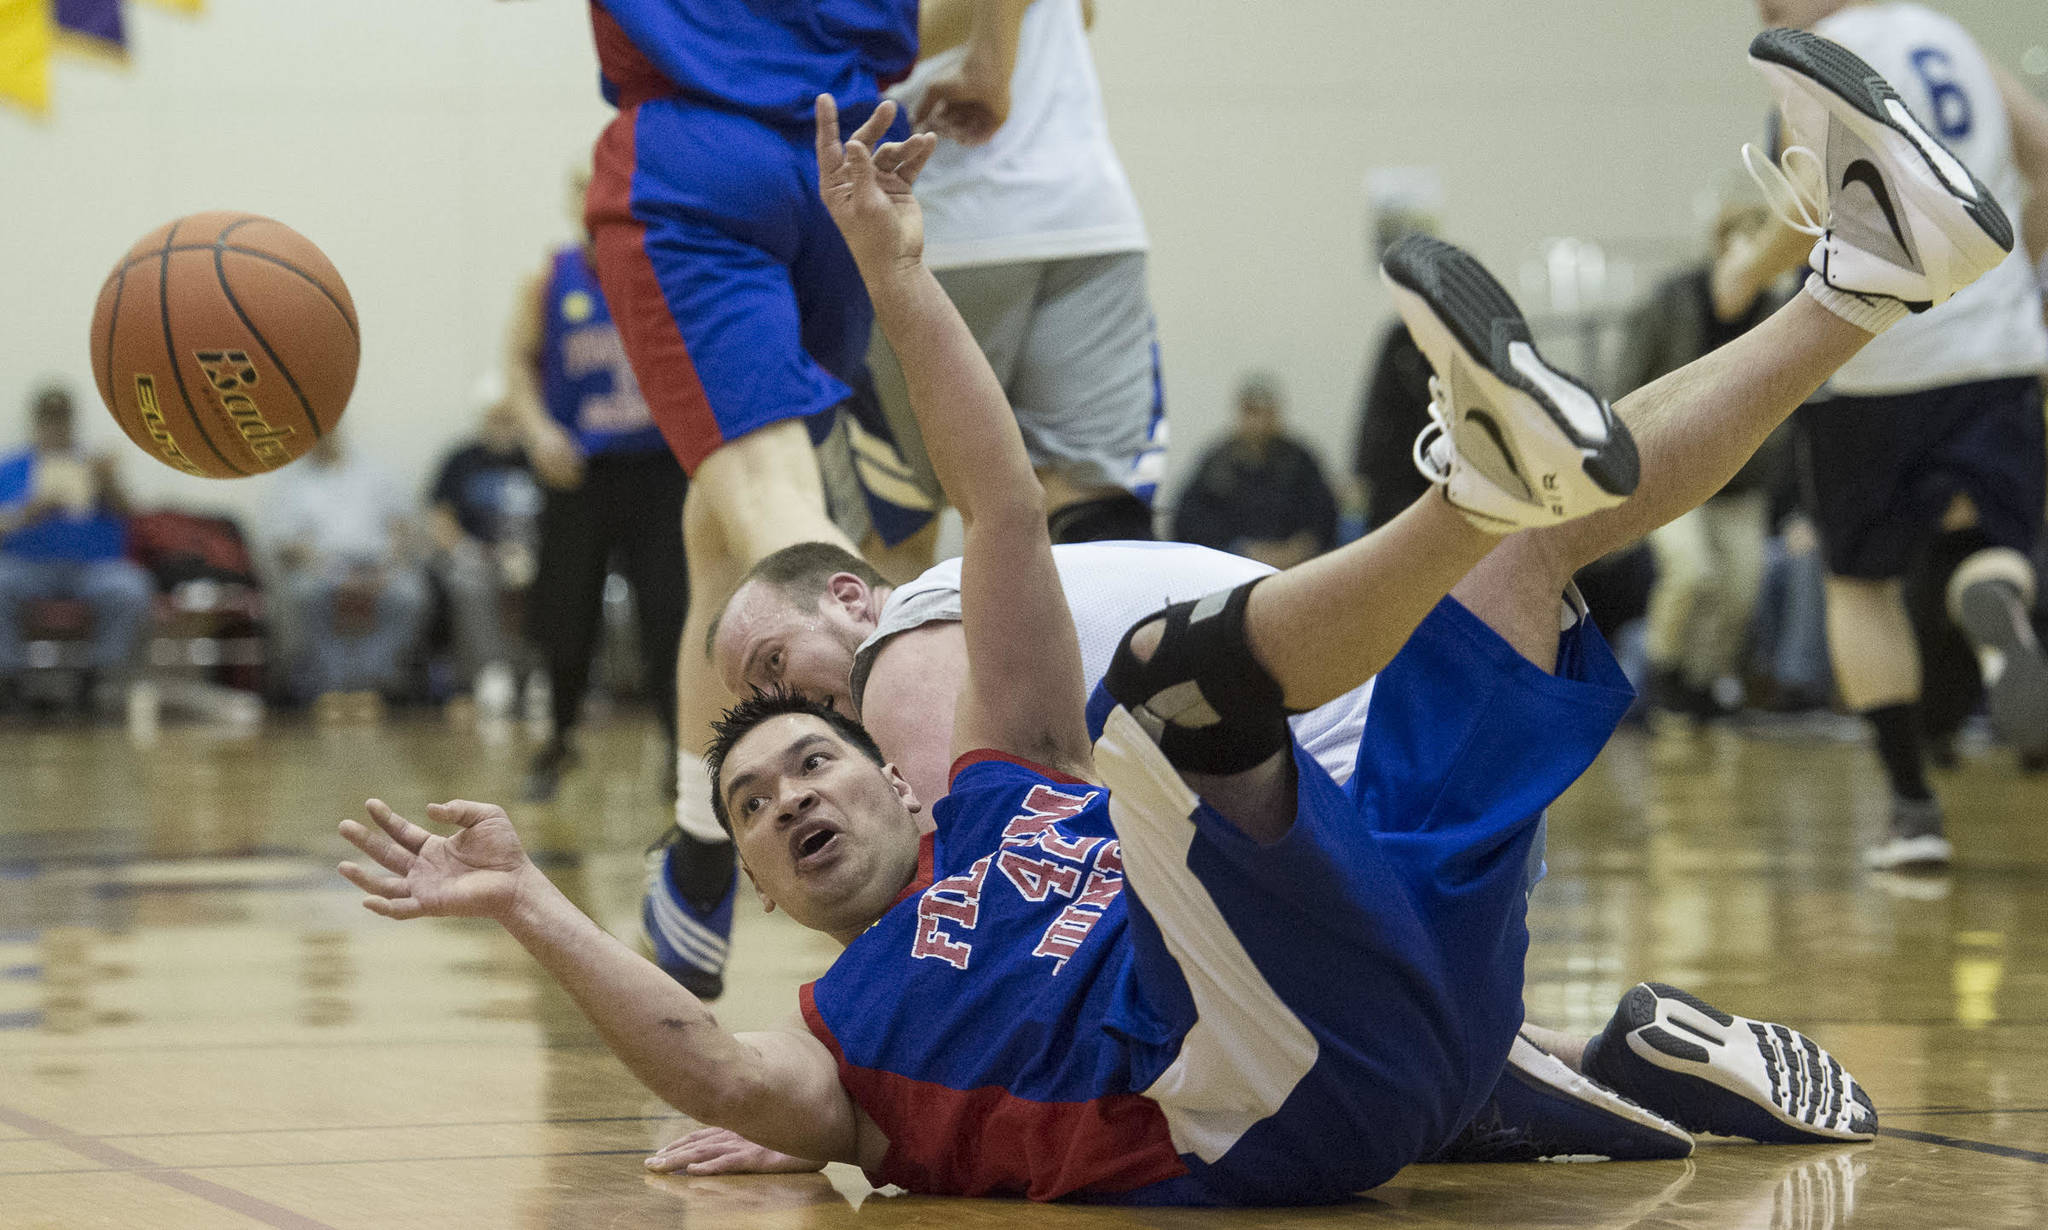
{"x":25,"y":39}
{"x":179,"y":6}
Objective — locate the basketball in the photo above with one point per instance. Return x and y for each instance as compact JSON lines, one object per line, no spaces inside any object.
{"x":224,"y":344}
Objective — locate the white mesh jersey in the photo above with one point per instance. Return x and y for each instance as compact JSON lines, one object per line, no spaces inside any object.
{"x":1993,"y":327}
{"x":1048,"y":185}
{"x":1110,"y":586}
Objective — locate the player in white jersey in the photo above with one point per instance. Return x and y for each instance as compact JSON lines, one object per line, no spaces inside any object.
{"x":1938,"y":423}
{"x":1033,"y":231}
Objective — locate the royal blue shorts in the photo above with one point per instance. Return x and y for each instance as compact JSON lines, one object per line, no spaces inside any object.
{"x":1314,"y":1014}
{"x":738,"y":302}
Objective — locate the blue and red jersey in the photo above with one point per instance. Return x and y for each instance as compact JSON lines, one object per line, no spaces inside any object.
{"x":585,"y":381}
{"x":986,"y":1023}
{"x":765,"y":60}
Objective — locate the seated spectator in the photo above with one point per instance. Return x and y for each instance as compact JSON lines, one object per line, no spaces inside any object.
{"x":1259,"y":493}
{"x":350,"y":598}
{"x":62,"y":533}
{"x":482,"y":517}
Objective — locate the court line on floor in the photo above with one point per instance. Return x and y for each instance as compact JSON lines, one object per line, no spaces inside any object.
{"x":1974,"y":1146}
{"x":1967,"y":1110}
{"x":398,"y":1127}
{"x":151,"y":1170}
{"x":124,"y":1162}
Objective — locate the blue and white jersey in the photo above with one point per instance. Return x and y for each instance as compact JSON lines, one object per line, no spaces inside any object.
{"x":768,"y":60}
{"x":585,"y":381}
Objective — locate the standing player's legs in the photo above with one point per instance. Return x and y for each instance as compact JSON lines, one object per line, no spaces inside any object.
{"x":568,"y":599}
{"x":698,"y":218}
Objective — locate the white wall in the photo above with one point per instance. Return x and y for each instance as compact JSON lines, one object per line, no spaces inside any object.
{"x":423,"y":144}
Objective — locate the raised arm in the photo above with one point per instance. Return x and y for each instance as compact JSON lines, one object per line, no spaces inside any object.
{"x":1023,"y":690}
{"x":779,"y":1088}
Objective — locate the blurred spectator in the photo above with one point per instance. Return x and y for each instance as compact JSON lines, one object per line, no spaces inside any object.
{"x":352,"y":600}
{"x":611,"y":488}
{"x":1709,"y":561}
{"x":481,"y":518}
{"x":1392,"y":411}
{"x":1259,"y":493}
{"x":62,"y":534}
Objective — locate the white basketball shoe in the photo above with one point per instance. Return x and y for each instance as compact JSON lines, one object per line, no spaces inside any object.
{"x":1515,"y":443}
{"x":1896,"y":215}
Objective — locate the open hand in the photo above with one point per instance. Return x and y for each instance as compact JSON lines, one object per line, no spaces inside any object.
{"x":721,"y":1151}
{"x":475,"y":872}
{"x":867,"y":190}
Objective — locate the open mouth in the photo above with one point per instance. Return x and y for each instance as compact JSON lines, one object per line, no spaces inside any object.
{"x":806,"y":847}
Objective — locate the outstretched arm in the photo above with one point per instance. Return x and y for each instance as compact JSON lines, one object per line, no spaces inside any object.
{"x":779,"y":1088}
{"x":1023,"y":691}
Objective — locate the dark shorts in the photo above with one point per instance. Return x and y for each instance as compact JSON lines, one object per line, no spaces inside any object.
{"x":1878,"y":472}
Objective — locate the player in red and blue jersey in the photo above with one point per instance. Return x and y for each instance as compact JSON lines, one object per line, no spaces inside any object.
{"x":1269,"y":989}
{"x":741,"y":312}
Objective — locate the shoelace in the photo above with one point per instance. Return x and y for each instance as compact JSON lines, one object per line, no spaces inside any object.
{"x":1797,"y":201}
{"x":1439,"y":424}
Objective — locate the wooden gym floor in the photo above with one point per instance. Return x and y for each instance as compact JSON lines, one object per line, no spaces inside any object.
{"x":200,"y":1027}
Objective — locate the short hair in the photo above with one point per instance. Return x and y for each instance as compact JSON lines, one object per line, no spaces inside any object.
{"x":798,"y":574}
{"x":740,"y":720}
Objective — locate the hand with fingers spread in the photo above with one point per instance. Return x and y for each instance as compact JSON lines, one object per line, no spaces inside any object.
{"x":867,"y":190}
{"x":723,"y":1151}
{"x":475,"y":872}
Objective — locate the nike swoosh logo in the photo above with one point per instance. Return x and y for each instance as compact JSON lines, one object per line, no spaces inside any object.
{"x":1863,"y":172}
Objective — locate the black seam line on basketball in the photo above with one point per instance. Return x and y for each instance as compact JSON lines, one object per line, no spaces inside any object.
{"x":1865,"y":172}
{"x":1974,"y":1146}
{"x":261,"y":255}
{"x":163,"y":298}
{"x":220,"y":272}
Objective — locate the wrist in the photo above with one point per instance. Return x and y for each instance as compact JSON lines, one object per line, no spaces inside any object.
{"x":534,"y":900}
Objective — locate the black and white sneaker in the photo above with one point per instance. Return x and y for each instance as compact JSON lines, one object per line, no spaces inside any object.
{"x":1515,"y":443}
{"x":1542,"y":1111}
{"x":1896,"y":214}
{"x":1991,"y":598}
{"x":1913,"y":839}
{"x":1709,"y":1071}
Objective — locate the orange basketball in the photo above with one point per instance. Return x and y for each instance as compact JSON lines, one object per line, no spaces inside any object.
{"x":224,"y":344}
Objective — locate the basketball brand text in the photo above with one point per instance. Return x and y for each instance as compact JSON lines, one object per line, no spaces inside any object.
{"x":153,"y":423}
{"x":231,"y":377}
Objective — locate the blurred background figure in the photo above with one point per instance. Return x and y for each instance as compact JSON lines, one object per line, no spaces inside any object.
{"x":611,"y":491}
{"x":1709,"y":561}
{"x":1393,"y":406}
{"x":62,"y":536}
{"x":1260,"y":493}
{"x":351,"y":596}
{"x":482,"y":519}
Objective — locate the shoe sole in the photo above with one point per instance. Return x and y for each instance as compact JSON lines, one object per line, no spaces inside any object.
{"x":1860,"y":97}
{"x":1931,"y":852}
{"x":1539,"y":1070}
{"x":2019,"y":700}
{"x":1480,"y":319}
{"x":1669,"y":1031}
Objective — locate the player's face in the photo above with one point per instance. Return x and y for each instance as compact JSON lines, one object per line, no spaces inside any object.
{"x":765,"y":643}
{"x":827,"y":834}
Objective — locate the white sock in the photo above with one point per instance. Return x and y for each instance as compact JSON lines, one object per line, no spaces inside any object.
{"x":693,"y":799}
{"x":1872,"y":315}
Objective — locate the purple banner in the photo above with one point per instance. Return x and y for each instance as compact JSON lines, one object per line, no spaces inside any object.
{"x":98,"y":20}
